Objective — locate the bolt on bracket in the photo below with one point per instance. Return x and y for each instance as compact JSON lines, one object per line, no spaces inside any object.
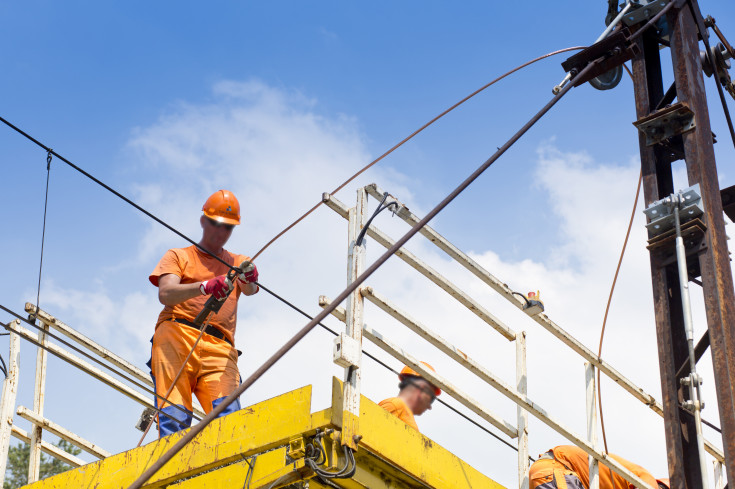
{"x":666,"y":123}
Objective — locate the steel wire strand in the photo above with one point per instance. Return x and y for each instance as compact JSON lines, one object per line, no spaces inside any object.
{"x":388,"y":367}
{"x":196,"y":429}
{"x":410,"y":136}
{"x":81,"y":352}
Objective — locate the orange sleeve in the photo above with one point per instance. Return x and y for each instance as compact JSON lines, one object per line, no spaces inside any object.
{"x":170,"y":263}
{"x":637,"y":470}
{"x":389,"y":406}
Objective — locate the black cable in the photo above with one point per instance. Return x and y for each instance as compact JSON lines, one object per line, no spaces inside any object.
{"x":523,"y":296}
{"x":380,"y":362}
{"x":378,"y":210}
{"x":4,"y":367}
{"x":43,"y":232}
{"x":118,"y":194}
{"x":90,"y":357}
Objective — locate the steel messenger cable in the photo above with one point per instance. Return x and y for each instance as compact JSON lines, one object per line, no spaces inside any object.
{"x":51,"y":152}
{"x":196,"y":429}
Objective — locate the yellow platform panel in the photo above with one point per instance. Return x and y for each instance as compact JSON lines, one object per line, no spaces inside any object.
{"x":249,"y":449}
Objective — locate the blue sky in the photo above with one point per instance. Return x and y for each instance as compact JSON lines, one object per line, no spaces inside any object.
{"x":280,"y":101}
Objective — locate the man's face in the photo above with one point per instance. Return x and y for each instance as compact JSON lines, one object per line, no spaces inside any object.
{"x":216,"y":233}
{"x":423,"y":396}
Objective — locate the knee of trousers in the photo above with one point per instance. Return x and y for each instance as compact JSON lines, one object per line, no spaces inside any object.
{"x":234,"y":406}
{"x":176,"y":420}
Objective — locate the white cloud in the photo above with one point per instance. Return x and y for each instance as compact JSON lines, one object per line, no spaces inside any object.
{"x":277,"y":154}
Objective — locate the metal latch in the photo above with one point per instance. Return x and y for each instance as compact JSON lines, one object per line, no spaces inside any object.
{"x":661,"y":212}
{"x":346,"y":351}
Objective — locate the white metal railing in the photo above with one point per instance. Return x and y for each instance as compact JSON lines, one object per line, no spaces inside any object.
{"x":35,"y":416}
{"x":517,"y":393}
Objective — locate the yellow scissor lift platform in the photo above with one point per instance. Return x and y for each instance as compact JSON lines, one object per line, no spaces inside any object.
{"x":262,"y":446}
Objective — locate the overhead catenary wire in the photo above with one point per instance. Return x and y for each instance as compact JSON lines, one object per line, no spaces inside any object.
{"x":196,"y":429}
{"x":81,"y":352}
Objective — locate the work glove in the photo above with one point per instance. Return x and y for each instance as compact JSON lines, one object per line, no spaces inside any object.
{"x":250,"y":275}
{"x":216,"y":287}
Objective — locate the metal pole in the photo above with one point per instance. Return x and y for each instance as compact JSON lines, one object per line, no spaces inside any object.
{"x":693,"y":380}
{"x":591,"y":391}
{"x":7,"y":403}
{"x":355,"y":267}
{"x":522,"y":388}
{"x":656,"y":162}
{"x":714,"y":261}
{"x":34,"y":459}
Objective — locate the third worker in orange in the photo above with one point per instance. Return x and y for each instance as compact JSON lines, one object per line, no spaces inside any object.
{"x":415,"y":396}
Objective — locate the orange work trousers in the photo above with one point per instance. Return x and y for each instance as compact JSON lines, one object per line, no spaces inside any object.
{"x":211,"y":374}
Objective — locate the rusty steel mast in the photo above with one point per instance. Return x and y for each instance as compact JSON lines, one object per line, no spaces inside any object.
{"x":675,"y":132}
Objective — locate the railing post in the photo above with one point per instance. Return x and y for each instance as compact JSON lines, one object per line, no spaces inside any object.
{"x":354,"y":323}
{"x":522,"y":387}
{"x":719,"y":478}
{"x":34,"y":459}
{"x":7,"y":402}
{"x":589,"y":371}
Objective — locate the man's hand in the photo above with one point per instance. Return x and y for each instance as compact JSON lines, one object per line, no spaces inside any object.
{"x":216,"y":287}
{"x":250,"y":275}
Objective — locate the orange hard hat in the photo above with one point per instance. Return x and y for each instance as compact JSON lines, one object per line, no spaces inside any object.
{"x":222,"y":207}
{"x":407,"y":371}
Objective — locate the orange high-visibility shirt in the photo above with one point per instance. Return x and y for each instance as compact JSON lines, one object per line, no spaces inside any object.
{"x":577,"y":460}
{"x":193,"y":265}
{"x":398,"y":408}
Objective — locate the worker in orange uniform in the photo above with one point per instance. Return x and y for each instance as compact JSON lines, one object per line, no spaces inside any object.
{"x":567,"y":467}
{"x":414,"y":398}
{"x":185,"y":278}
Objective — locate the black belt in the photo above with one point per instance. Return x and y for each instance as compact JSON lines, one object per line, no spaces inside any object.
{"x":210,"y":330}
